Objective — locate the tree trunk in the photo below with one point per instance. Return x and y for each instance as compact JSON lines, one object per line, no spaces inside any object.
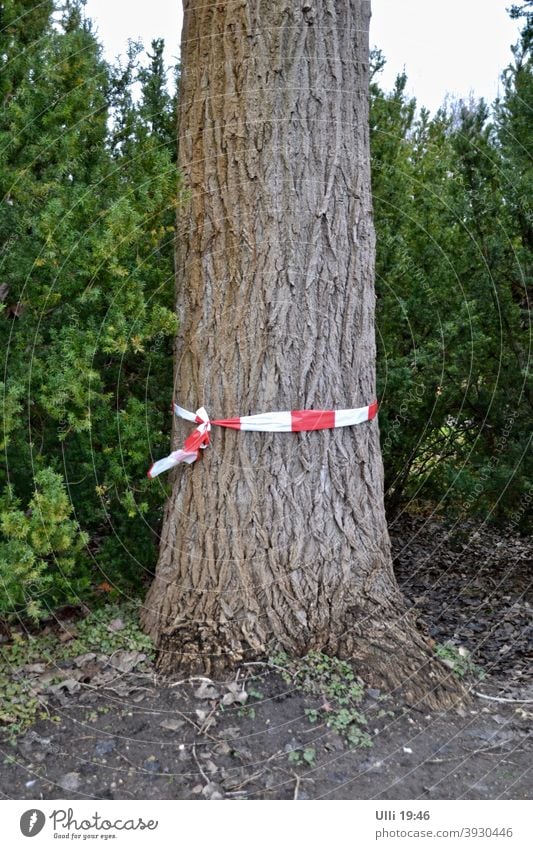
{"x":279,"y":540}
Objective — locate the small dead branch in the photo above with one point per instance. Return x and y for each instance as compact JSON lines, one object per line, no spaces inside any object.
{"x":196,"y":727}
{"x":255,"y":777}
{"x":208,"y":721}
{"x":198,"y":764}
{"x":504,"y":700}
{"x":296,"y":786}
{"x":191,"y":679}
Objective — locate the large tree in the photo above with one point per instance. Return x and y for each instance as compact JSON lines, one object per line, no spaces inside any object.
{"x":279,"y":540}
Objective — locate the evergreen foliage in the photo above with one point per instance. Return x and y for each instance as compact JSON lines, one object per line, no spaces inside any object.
{"x":453,"y":222}
{"x":88,"y":188}
{"x":40,"y":548}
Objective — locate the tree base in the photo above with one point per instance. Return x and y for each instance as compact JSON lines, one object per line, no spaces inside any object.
{"x":388,"y":653}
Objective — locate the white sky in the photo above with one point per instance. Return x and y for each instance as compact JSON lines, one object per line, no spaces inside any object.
{"x":446,"y":46}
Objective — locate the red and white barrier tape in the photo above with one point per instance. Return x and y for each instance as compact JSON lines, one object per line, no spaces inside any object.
{"x":291,"y":421}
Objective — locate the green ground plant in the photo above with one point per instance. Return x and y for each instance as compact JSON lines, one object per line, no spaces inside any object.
{"x":459,"y":660}
{"x":337,"y":688}
{"x":102,"y":632}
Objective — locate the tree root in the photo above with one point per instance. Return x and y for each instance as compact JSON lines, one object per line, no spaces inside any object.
{"x":389,"y":653}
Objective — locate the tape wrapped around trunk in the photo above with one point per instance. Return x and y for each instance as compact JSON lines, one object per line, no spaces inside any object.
{"x":290,"y":421}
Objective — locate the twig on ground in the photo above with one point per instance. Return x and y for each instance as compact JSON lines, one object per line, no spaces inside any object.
{"x":198,"y":764}
{"x":124,"y":758}
{"x":269,"y":666}
{"x":195,"y":726}
{"x":208,"y":721}
{"x":296,"y":786}
{"x":480,"y":751}
{"x":254,"y":777}
{"x":193,"y":678}
{"x":506,"y":701}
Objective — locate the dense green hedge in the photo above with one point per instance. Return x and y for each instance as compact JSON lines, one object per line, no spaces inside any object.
{"x":89,"y":189}
{"x":454,"y":240}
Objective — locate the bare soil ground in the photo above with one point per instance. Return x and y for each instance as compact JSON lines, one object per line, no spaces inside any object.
{"x":115,"y":733}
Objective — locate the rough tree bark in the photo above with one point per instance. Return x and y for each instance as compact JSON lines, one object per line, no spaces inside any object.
{"x":279,"y":540}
